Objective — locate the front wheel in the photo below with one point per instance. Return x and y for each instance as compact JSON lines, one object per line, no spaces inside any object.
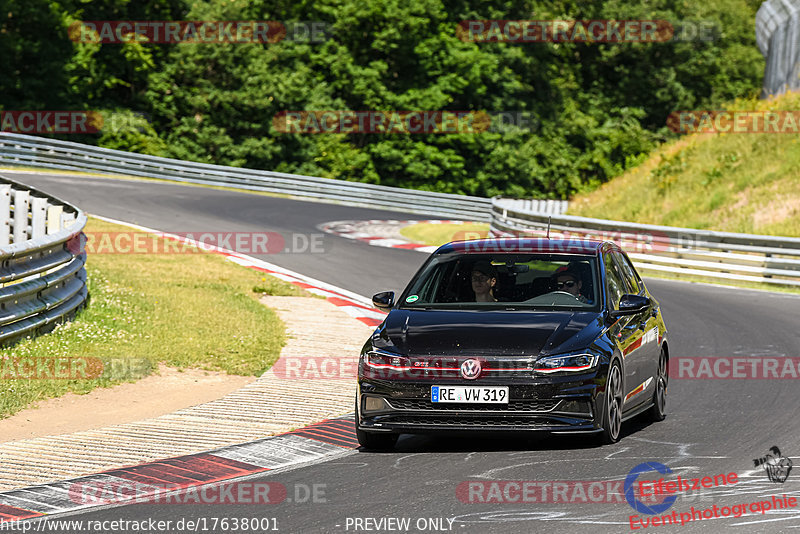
{"x":372,"y":441}
{"x":375,"y":442}
{"x":612,"y":414}
{"x":659,"y":410}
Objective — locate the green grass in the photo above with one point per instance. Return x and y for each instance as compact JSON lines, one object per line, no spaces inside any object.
{"x":194,"y":310}
{"x":439,"y":234}
{"x":726,"y":182}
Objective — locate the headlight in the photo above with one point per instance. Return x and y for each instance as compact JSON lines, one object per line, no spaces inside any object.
{"x":573,"y":363}
{"x":379,"y":359}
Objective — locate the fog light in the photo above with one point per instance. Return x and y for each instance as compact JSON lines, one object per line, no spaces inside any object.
{"x":578,"y":407}
{"x":372,"y":404}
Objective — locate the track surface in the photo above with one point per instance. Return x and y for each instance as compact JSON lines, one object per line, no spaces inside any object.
{"x":713,"y":427}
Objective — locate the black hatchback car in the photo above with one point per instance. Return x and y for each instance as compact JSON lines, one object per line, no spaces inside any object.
{"x":514,"y":335}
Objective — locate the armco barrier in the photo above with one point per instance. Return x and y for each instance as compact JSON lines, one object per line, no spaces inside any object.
{"x":42,"y":272}
{"x":39,"y":152}
{"x":680,"y":251}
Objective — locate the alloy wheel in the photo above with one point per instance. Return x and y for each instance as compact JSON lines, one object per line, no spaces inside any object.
{"x":661,"y":393}
{"x":614,"y":400}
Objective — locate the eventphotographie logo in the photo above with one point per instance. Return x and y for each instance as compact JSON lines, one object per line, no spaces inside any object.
{"x":776,"y":465}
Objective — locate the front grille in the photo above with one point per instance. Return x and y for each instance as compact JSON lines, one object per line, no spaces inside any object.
{"x":513,"y":406}
{"x":462,"y":421}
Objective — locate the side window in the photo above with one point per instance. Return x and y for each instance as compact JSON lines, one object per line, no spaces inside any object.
{"x":430,"y":288}
{"x":634,"y":282}
{"x":615,"y":285}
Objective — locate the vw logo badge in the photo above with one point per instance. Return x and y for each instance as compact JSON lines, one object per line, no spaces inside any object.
{"x":470,"y":369}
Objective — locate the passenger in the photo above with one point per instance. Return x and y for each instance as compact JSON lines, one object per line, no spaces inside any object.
{"x":484,"y":278}
{"x":569,"y":281}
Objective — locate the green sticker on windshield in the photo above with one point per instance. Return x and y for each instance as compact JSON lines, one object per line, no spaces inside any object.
{"x":412,"y":298}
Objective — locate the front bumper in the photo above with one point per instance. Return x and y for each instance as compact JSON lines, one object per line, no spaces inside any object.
{"x":551,"y":405}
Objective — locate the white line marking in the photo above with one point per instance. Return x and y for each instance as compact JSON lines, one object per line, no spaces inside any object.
{"x":361,"y":299}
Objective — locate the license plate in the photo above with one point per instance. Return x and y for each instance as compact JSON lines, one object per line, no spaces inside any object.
{"x":470,"y":395}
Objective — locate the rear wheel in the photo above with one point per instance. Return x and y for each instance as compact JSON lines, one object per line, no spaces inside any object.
{"x":658,"y":411}
{"x":612,"y":414}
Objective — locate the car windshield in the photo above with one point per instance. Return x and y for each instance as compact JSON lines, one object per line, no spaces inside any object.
{"x":491,"y":281}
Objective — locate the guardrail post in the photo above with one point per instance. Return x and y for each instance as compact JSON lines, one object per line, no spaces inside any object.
{"x":767,"y":256}
{"x":5,"y":214}
{"x":38,"y":216}
{"x":67,"y":219}
{"x":54,"y":219}
{"x":21,"y":216}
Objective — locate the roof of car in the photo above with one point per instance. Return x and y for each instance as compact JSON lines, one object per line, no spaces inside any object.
{"x":524,"y":245}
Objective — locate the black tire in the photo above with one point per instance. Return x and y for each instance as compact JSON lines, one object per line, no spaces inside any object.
{"x":373,"y":441}
{"x":612,"y":411}
{"x":376,"y":442}
{"x":658,"y":412}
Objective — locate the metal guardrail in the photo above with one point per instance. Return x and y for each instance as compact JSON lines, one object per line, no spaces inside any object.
{"x":680,"y":251}
{"x":545,"y":207}
{"x":42,"y":274}
{"x":39,"y":152}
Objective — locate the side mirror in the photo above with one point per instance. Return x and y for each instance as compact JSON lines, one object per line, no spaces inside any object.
{"x":630,"y":305}
{"x":384,"y":300}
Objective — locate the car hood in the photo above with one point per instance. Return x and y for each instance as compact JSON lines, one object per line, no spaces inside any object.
{"x":487,"y":332}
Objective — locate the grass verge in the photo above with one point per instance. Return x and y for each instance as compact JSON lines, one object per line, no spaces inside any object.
{"x":192,"y":310}
{"x":736,"y":182}
{"x":439,"y":234}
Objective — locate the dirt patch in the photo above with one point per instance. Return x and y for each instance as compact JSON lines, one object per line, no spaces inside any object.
{"x":155,"y":395}
{"x":780,"y":207}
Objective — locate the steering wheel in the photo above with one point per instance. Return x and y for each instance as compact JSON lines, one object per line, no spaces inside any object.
{"x":563,"y":293}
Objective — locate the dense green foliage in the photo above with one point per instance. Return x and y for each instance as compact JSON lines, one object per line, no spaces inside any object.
{"x":600,"y":107}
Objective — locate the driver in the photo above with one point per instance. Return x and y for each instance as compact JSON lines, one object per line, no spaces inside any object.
{"x":484,"y":278}
{"x":568,"y":281}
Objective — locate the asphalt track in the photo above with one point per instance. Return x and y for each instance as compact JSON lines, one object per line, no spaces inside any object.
{"x":713,"y":427}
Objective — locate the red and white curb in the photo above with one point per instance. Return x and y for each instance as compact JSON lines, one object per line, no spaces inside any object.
{"x":351,"y":303}
{"x":381,"y":233}
{"x":157,"y":481}
{"x":161,"y":481}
